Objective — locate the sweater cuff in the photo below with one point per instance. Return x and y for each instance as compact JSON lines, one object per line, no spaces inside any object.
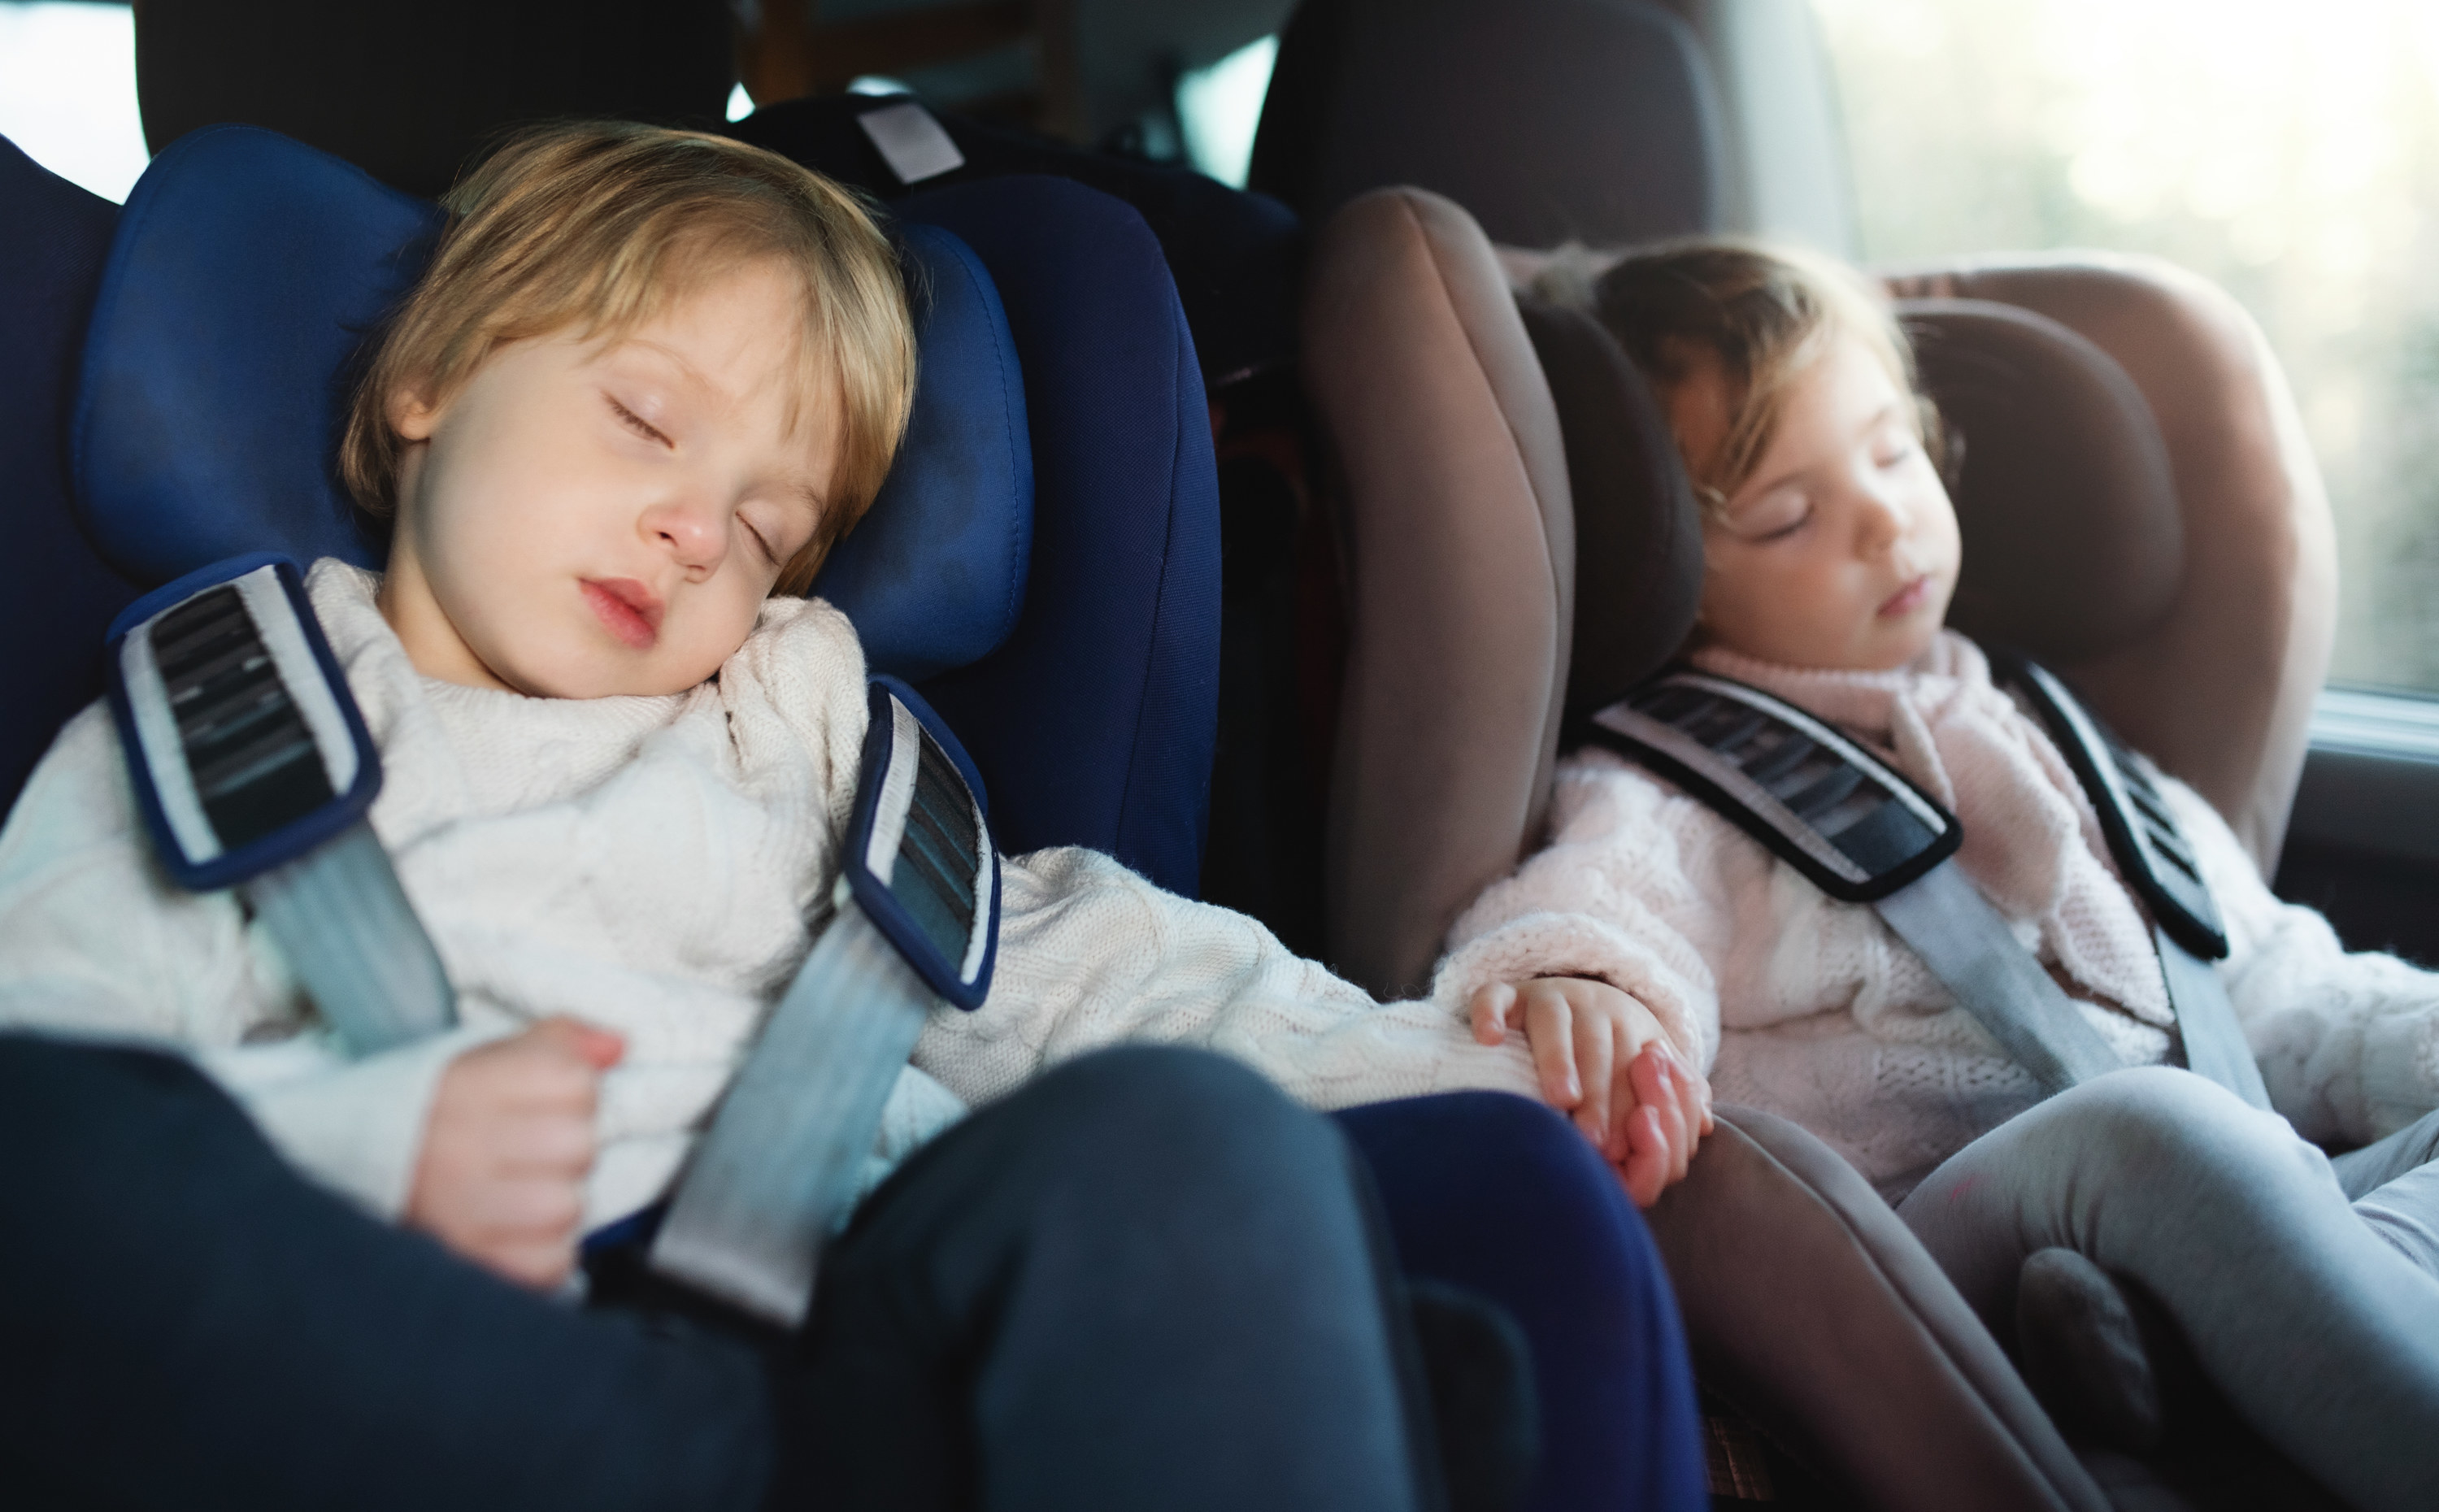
{"x":1553,"y":944}
{"x":356,"y":1127}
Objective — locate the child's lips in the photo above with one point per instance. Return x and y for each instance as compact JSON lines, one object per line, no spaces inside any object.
{"x":1908,"y":599}
{"x":625,"y":608}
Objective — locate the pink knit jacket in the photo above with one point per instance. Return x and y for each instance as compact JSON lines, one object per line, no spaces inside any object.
{"x":1813,"y":1009}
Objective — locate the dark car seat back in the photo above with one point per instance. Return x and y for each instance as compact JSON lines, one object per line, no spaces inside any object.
{"x":57,"y":594}
{"x":1550,"y":120}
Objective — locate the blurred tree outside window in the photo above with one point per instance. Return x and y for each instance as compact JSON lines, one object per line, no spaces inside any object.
{"x":2290,"y":152}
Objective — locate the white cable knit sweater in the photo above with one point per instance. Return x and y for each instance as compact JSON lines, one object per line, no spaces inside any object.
{"x":1811,"y":1008}
{"x":646,"y":865}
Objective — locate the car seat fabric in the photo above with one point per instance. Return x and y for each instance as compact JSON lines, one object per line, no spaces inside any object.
{"x":1638,"y":569}
{"x":1237,"y":258}
{"x":2061,"y":482}
{"x":2221,"y":689}
{"x":1870,"y":1366}
{"x":1459,"y":549}
{"x":1094,"y":723}
{"x":56,"y":595}
{"x":1499,"y":1196}
{"x":1552,"y":120}
{"x":245,"y":273}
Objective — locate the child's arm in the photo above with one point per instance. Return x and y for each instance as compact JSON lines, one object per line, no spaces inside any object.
{"x":1604,"y":1055}
{"x":1092,"y":955}
{"x":95,"y":943}
{"x":2347,"y":1042}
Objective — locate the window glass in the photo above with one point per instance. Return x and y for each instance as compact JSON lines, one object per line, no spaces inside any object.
{"x":2288,"y":151}
{"x":1219,"y":107}
{"x":67,"y":91}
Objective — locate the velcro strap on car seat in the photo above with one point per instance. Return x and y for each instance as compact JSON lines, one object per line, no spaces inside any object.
{"x":2157,"y":862}
{"x":253,"y":770}
{"x":1864,"y":833}
{"x":913,"y":922}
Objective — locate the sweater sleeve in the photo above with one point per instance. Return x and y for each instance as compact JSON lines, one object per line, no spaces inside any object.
{"x":1616,"y":895}
{"x":1091,"y":955}
{"x":2348,"y":1043}
{"x":97,"y":943}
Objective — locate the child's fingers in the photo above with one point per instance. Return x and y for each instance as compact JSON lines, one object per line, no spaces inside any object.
{"x":1644,"y":1170}
{"x":1492,"y":1002}
{"x":1596,"y":1064}
{"x":578,"y":1040}
{"x":1549,"y":1027}
{"x":1655,"y":1092}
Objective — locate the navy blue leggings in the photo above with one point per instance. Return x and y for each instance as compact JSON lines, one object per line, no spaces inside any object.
{"x":1503,"y":1197}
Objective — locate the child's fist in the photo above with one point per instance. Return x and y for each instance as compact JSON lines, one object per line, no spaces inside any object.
{"x":508,"y":1147}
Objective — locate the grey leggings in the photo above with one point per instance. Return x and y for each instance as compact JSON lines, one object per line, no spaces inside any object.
{"x":2311,"y":1311}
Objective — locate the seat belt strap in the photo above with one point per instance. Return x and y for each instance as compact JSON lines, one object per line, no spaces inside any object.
{"x":914,"y":924}
{"x":2157,"y":862}
{"x":253,"y":769}
{"x":1863,"y":832}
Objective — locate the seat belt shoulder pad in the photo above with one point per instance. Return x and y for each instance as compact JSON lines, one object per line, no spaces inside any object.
{"x":1854,"y":826}
{"x":244,"y":747}
{"x":919,"y":858}
{"x":2144,"y":838}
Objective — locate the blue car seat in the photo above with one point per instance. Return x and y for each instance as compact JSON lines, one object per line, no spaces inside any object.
{"x":1102,"y":591}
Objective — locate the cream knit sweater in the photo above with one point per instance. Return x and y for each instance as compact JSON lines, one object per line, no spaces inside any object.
{"x":646,"y":865}
{"x":1811,"y":1008}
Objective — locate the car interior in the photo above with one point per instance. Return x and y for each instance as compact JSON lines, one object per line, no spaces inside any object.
{"x":1308,"y":517}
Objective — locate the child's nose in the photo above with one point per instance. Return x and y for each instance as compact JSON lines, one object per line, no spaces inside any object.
{"x":1880,"y":521}
{"x":694,"y":533}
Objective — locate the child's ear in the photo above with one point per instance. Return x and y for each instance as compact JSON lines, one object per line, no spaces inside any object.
{"x":410,"y":414}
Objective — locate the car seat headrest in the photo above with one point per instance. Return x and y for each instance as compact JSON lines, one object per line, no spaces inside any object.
{"x":247,"y":271}
{"x":2074,"y":543}
{"x":1638,"y":535}
{"x":2071,"y":537}
{"x":1549,"y":120}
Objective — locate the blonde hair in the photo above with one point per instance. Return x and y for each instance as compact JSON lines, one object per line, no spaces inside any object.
{"x":1765,"y":313}
{"x":603,"y":224}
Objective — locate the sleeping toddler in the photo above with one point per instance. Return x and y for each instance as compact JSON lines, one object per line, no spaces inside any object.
{"x":2309,"y":1290}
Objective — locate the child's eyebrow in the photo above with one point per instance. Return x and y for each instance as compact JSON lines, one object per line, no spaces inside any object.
{"x":1878,"y":417}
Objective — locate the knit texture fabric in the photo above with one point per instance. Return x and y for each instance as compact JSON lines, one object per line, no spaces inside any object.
{"x":1813,"y":1009}
{"x":647,"y":864}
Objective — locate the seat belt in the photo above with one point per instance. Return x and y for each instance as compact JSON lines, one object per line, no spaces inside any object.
{"x":914,"y":923}
{"x":253,"y":771}
{"x":2154,"y":857}
{"x":1864,"y":833}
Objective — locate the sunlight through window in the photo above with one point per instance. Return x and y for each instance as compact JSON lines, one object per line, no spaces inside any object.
{"x":2289,"y":152}
{"x":68,"y":92}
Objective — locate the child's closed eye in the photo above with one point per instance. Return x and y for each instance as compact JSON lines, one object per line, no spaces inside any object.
{"x":637,"y":423}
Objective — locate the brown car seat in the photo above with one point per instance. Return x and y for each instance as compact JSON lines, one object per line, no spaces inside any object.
{"x":2177,"y":570}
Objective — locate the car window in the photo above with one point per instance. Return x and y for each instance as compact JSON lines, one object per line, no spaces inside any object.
{"x":2290,"y":152}
{"x":67,"y":91}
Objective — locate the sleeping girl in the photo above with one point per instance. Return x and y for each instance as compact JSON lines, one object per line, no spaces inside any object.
{"x":648,"y":381}
{"x":2309,"y":1288}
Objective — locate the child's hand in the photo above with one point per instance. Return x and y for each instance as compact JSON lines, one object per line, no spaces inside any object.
{"x":507,"y":1148}
{"x":1602,"y":1056}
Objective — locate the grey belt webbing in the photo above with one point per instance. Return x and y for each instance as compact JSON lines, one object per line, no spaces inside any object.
{"x":1861,"y":831}
{"x":774,"y":1170}
{"x":1943,"y":918}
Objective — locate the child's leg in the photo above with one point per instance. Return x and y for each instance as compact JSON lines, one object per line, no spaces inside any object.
{"x":186,"y":1323}
{"x":2325,"y":1339}
{"x":1145,"y":1280}
{"x":1502,"y":1197}
{"x":2394,"y":1183}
